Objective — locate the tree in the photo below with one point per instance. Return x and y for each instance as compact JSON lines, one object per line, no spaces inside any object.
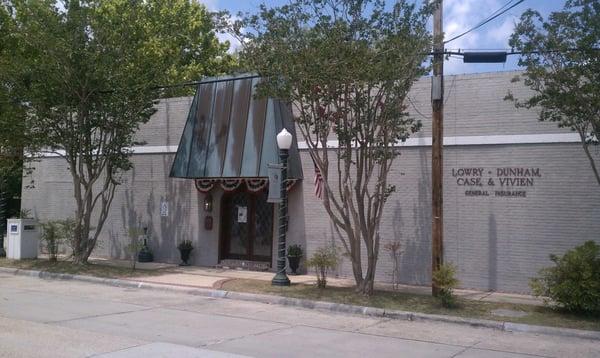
{"x":14,"y":131}
{"x":562,"y":67}
{"x":346,"y":66}
{"x":3,"y":217}
{"x":87,"y":74}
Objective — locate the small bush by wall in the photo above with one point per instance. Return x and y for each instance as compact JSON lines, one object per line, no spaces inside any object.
{"x":574,"y":282}
{"x":324,"y":259}
{"x":445,"y":279}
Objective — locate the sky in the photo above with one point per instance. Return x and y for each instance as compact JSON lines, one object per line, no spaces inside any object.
{"x":459,"y":16}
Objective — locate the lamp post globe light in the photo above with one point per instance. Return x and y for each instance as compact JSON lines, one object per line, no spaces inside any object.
{"x":284,"y":142}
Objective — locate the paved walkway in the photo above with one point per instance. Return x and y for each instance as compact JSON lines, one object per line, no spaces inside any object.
{"x":196,"y":276}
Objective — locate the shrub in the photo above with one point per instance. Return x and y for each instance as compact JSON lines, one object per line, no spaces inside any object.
{"x":324,"y":259}
{"x":67,"y":230}
{"x":574,"y":282}
{"x":57,"y":232}
{"x":394,"y":248}
{"x":445,"y":279}
{"x":185,"y":245}
{"x":294,"y":250}
{"x":25,"y":214}
{"x":52,"y":236}
{"x":134,"y":245}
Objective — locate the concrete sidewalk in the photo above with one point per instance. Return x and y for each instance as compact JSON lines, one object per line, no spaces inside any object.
{"x":209,"y":277}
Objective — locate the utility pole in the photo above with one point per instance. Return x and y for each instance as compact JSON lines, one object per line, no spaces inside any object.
{"x":437,"y":142}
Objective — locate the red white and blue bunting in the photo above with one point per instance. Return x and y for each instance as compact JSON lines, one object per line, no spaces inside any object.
{"x":252,"y":184}
{"x":205,"y":185}
{"x":256,"y":185}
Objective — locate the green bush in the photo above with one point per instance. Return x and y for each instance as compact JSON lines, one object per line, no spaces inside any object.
{"x":135,"y":244}
{"x":324,"y":259}
{"x":52,"y":236}
{"x":294,"y":250}
{"x":56,"y":233}
{"x":574,"y":282}
{"x":185,"y":245}
{"x":67,"y":229}
{"x":445,"y":279}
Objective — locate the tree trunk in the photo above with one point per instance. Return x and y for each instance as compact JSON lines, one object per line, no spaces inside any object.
{"x":365,"y":286}
{"x":591,"y":159}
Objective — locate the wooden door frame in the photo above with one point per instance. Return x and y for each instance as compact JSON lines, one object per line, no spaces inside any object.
{"x":225,"y":234}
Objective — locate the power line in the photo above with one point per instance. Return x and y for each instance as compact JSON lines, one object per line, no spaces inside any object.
{"x":509,"y":53}
{"x":494,"y":15}
{"x":451,"y":53}
{"x":415,"y":108}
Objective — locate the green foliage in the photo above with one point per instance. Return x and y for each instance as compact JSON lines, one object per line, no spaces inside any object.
{"x":135,"y":244}
{"x":294,"y":250}
{"x":15,"y":131}
{"x":68,"y":229}
{"x":11,"y":172}
{"x":562,"y":67}
{"x":3,"y":212}
{"x":83,"y":77}
{"x":185,"y":245}
{"x":24,"y":214}
{"x":56,"y":233}
{"x":52,"y":238}
{"x":324,"y":259}
{"x":574,"y":282}
{"x":445,"y":279}
{"x":346,"y":66}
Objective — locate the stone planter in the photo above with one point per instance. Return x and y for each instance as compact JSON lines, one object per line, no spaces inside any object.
{"x":185,"y":256}
{"x":145,"y":255}
{"x":294,"y":262}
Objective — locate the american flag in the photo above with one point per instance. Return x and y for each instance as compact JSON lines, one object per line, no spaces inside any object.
{"x":318,"y":183}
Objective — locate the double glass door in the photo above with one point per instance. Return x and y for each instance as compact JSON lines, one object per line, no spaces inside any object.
{"x":246,"y":226}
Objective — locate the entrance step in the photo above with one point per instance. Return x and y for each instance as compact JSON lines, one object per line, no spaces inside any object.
{"x":245,"y":265}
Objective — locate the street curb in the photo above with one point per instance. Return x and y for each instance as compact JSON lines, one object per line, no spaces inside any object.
{"x":310,"y":304}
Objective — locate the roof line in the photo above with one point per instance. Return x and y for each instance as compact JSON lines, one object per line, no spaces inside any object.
{"x":225,"y":78}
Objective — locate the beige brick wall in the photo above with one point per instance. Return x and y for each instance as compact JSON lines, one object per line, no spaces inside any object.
{"x":496,"y":242}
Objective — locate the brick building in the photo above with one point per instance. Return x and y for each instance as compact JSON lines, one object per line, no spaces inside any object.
{"x":515,"y":189}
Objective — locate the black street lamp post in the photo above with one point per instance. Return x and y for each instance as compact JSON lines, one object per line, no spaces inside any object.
{"x":284,"y":142}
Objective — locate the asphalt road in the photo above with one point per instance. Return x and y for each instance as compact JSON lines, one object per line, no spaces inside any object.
{"x":49,"y":318}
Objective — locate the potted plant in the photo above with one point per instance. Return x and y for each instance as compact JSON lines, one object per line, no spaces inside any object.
{"x":294,"y":254}
{"x":185,"y":249}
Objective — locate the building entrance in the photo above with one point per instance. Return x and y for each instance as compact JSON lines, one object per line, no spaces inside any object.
{"x":247,"y":226}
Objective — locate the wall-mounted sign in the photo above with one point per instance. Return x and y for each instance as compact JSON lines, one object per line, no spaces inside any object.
{"x":14,"y":228}
{"x":506,"y":182}
{"x":242,"y":214}
{"x":164,"y":208}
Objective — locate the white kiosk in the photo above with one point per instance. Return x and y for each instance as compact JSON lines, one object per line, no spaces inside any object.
{"x":23,"y":237}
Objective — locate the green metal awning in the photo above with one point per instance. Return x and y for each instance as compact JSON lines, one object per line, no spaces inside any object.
{"x":231,"y":134}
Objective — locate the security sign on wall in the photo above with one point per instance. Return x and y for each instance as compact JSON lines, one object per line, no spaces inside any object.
{"x":242,"y":214}
{"x":164,"y":208}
